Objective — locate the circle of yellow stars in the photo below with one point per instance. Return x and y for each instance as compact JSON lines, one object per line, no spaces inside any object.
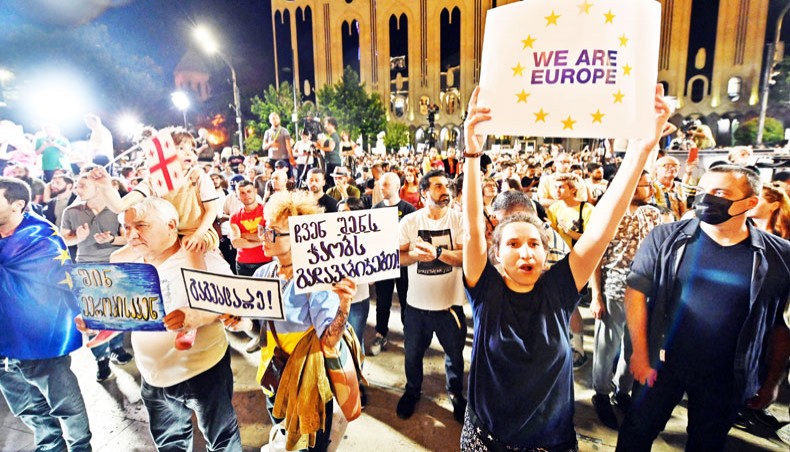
{"x":528,"y":42}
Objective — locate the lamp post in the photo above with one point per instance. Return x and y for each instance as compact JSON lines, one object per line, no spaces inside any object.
{"x":204,"y":37}
{"x":181,"y":101}
{"x":770,"y":62}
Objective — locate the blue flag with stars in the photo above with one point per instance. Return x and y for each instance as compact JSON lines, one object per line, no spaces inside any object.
{"x":37,"y":308}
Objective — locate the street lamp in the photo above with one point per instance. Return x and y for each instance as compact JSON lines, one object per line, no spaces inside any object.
{"x":770,"y":62}
{"x":181,"y":101}
{"x":205,"y":38}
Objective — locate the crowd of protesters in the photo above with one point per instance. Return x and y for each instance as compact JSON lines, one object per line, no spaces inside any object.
{"x":528,"y":238}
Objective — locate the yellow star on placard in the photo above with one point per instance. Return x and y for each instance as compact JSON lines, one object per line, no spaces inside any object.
{"x":623,"y":40}
{"x":528,"y":42}
{"x":540,"y":116}
{"x":568,"y":123}
{"x":584,"y":7}
{"x":63,"y":257}
{"x":609,"y":17}
{"x":67,"y":281}
{"x":597,"y":116}
{"x":551,"y":19}
{"x":522,"y":96}
{"x":618,"y":97}
{"x":518,"y":70}
{"x":627,"y":70}
{"x":54,"y":230}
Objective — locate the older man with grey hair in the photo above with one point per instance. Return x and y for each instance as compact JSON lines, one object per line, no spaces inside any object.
{"x":178,"y":377}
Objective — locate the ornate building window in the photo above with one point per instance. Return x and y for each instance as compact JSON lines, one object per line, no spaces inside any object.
{"x":351,"y":51}
{"x":399,"y":65}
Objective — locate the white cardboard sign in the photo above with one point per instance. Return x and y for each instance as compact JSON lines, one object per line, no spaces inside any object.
{"x":235,"y":295}
{"x":571,"y":68}
{"x":362,"y":245}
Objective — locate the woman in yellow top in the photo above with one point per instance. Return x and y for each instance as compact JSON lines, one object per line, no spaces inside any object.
{"x":569,"y":216}
{"x":314,"y":316}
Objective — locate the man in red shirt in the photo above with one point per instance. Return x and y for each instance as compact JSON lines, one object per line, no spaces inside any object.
{"x":244,"y":231}
{"x":244,"y":237}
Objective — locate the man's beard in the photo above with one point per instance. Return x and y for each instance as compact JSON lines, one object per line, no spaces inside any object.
{"x":443,"y":201}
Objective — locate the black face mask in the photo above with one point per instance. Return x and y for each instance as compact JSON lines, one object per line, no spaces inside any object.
{"x":714,"y":209}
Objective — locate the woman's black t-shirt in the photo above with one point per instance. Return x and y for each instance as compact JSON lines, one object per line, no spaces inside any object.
{"x":521,"y":376}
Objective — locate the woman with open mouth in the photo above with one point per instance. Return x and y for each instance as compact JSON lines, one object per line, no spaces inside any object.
{"x":521,"y":313}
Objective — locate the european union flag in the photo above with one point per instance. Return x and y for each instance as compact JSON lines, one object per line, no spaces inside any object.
{"x":37,"y":308}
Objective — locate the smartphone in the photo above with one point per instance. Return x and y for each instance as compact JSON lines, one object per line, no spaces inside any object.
{"x":693,"y":155}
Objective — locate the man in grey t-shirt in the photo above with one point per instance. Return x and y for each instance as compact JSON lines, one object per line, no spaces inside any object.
{"x":277,"y":141}
{"x":96,"y":232}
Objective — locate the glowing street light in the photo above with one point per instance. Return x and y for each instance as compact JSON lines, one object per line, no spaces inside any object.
{"x":206,"y":40}
{"x":181,"y":101}
{"x":129,"y":125}
{"x":5,"y":75}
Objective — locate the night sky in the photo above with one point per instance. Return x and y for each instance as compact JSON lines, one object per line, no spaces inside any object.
{"x":162,"y":30}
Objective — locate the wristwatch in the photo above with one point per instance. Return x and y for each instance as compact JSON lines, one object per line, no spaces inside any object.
{"x":438,"y":252}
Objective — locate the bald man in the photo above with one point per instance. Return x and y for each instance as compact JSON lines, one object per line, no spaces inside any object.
{"x":389,"y":186}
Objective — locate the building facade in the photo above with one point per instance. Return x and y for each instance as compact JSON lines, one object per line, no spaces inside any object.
{"x":422,"y":53}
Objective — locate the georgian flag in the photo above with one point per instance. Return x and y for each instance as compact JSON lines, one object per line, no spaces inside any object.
{"x":163,"y":165}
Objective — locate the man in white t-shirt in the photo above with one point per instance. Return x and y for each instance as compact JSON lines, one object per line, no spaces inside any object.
{"x":430,"y":245}
{"x":100,"y":142}
{"x":179,"y":381}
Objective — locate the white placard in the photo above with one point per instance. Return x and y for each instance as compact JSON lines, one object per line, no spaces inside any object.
{"x":571,"y":68}
{"x":362,"y":245}
{"x":235,"y":295}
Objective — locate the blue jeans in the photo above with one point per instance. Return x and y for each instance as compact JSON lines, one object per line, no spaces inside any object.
{"x":358,"y":318}
{"x":711,"y":411}
{"x":103,"y":351}
{"x":209,"y":395}
{"x":44,"y":394}
{"x":450,"y":328}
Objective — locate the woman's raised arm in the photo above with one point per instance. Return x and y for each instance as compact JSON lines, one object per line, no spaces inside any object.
{"x":611,"y":207}
{"x":474,"y":250}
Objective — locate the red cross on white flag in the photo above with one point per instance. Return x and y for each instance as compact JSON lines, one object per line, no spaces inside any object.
{"x":163,"y":165}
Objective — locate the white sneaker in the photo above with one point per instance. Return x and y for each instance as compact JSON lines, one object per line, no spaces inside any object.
{"x":378,"y":344}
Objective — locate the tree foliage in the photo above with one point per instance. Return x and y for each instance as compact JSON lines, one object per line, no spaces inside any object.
{"x":397,"y":136}
{"x":356,"y":111}
{"x":746,"y":134}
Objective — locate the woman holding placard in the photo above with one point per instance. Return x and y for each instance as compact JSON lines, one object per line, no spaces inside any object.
{"x":316,"y":318}
{"x":521,"y":346}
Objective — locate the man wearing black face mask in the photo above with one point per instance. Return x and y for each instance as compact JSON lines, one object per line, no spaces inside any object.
{"x":704,"y":309}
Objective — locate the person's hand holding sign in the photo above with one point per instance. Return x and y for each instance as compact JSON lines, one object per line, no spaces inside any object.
{"x":175,"y":320}
{"x":345,"y":290}
{"x":81,"y":326}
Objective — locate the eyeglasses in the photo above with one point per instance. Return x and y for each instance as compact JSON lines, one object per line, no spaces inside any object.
{"x":270,"y":235}
{"x":669,"y":165}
